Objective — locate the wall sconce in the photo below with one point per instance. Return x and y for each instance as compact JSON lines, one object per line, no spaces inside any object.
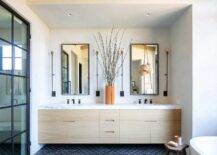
{"x":165,"y":93}
{"x":97,"y":74}
{"x":122,"y":75}
{"x":53,"y":93}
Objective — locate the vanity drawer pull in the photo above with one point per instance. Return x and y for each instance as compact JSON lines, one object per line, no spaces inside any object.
{"x":110,"y":120}
{"x":151,"y":121}
{"x":109,"y":131}
{"x":69,"y":121}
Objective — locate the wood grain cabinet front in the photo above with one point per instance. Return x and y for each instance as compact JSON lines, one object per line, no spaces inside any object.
{"x":108,"y":126}
{"x":164,"y":131}
{"x":137,"y":132}
{"x":68,"y":126}
{"x":149,"y":126}
{"x":134,"y":127}
{"x":168,"y":124}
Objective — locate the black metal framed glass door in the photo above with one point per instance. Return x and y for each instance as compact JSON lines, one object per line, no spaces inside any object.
{"x":14,"y":82}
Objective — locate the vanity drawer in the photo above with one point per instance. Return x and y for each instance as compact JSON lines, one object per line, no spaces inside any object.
{"x":109,"y":116}
{"x":151,"y":115}
{"x":109,"y":135}
{"x":167,"y":114}
{"x":136,"y":115}
{"x":68,"y":126}
{"x":109,"y":119}
{"x":109,"y":126}
{"x":64,"y":115}
{"x":68,"y":132}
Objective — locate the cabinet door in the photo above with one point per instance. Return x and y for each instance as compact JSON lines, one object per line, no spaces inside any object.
{"x":137,"y":115}
{"x":134,"y":132}
{"x":149,"y":126}
{"x":164,"y":131}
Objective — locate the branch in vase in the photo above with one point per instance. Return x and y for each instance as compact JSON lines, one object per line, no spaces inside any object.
{"x":109,"y":52}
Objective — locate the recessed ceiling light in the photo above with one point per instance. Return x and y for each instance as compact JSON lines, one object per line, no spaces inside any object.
{"x":148,"y":14}
{"x":69,"y":14}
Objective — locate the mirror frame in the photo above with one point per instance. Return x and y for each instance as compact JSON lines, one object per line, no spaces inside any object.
{"x":88,"y":69}
{"x":157,"y":61}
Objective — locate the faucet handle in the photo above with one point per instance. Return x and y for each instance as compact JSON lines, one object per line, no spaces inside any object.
{"x":140,"y":101}
{"x":151,"y":101}
{"x":79,"y":101}
{"x":68,"y":101}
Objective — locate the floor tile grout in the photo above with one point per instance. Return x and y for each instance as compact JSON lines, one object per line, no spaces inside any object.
{"x":102,"y":150}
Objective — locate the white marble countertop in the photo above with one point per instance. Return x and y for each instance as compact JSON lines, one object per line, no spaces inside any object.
{"x":104,"y":106}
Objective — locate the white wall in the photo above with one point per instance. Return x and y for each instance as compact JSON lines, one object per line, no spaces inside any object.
{"x":181,"y":69}
{"x":199,"y":103}
{"x":39,"y":64}
{"x":205,"y":68}
{"x":59,"y":36}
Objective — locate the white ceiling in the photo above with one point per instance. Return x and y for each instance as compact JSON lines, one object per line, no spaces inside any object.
{"x":108,"y":15}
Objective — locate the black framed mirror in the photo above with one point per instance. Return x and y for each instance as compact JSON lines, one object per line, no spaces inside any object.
{"x":75,"y":69}
{"x":144,"y":69}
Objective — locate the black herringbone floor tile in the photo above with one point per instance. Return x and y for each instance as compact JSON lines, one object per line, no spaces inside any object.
{"x":102,"y":150}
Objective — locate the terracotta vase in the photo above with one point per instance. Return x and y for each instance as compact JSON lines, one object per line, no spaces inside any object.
{"x":109,"y":94}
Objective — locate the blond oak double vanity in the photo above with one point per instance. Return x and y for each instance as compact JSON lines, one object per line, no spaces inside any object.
{"x":108,"y":124}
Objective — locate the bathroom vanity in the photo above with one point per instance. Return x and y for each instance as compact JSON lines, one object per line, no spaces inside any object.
{"x":108,"y":124}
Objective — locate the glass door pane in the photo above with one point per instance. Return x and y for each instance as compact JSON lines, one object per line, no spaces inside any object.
{"x":20,"y":33}
{"x":20,"y":90}
{"x":6,"y":148}
{"x":20,"y":119}
{"x":5,"y":57}
{"x":5,"y":24}
{"x":5,"y":91}
{"x":20,"y":145}
{"x":20,"y":62}
{"x":5,"y":124}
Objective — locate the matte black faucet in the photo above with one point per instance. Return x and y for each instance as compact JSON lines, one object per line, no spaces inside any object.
{"x":151,"y":101}
{"x":73,"y":101}
{"x":79,"y":101}
{"x":68,"y":101}
{"x":140,"y":101}
{"x":145,"y":101}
